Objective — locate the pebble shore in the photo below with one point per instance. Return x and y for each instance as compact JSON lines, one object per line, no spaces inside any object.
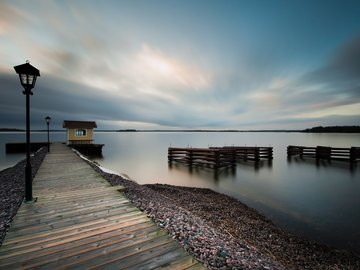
{"x":218,"y":230}
{"x":12,"y":189}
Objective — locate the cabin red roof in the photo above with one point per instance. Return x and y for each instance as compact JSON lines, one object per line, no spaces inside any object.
{"x":79,"y":124}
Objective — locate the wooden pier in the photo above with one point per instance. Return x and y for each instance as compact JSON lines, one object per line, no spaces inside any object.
{"x":218,"y":157}
{"x":80,"y":222}
{"x":351,"y":154}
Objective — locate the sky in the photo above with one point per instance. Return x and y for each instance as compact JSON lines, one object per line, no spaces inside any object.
{"x":184,"y":64}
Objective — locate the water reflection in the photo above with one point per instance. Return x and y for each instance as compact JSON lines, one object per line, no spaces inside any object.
{"x":224,"y":172}
{"x":323,"y":163}
{"x":215,"y":174}
{"x":257,"y":165}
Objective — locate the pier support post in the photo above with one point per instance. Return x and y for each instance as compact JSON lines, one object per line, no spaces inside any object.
{"x":190,"y":157}
{"x":257,"y":156}
{"x":354,"y":154}
{"x":270,"y":153}
{"x":217,"y":159}
{"x":233,"y":158}
{"x":170,"y":156}
{"x":323,"y":152}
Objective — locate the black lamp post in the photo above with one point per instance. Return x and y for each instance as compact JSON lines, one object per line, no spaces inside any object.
{"x":27,"y":74}
{"x":48,"y":119}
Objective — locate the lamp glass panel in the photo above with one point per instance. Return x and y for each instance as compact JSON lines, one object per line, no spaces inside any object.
{"x":23,"y":78}
{"x":27,"y":80}
{"x":30,"y":79}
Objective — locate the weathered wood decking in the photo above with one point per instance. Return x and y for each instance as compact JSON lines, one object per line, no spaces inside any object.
{"x":80,"y":222}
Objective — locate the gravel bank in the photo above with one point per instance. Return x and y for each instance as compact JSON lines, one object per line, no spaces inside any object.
{"x":12,"y":188}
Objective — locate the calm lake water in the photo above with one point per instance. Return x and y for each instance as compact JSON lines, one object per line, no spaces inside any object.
{"x":319,"y":201}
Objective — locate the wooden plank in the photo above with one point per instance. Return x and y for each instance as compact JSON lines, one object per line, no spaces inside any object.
{"x":82,"y":246}
{"x":131,"y":235}
{"x":132,"y":255}
{"x":180,"y":263}
{"x":62,"y":230}
{"x":54,"y":206}
{"x":50,"y":225}
{"x":164,"y":256}
{"x":37,"y":244}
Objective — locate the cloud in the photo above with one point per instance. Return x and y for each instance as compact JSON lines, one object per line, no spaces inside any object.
{"x":68,"y":100}
{"x":154,"y":65}
{"x":334,"y":86}
{"x":345,"y":64}
{"x":341,"y":74}
{"x":98,"y":62}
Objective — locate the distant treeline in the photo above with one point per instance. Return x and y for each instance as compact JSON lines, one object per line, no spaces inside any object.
{"x":10,"y":129}
{"x":32,"y":130}
{"x":334,"y":129}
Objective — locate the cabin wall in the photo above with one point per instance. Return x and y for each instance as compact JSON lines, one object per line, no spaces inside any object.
{"x":74,"y":138}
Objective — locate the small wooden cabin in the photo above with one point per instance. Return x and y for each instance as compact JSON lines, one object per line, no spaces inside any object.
{"x":79,"y":132}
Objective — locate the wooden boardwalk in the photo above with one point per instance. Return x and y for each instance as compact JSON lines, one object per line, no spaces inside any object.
{"x":80,"y":222}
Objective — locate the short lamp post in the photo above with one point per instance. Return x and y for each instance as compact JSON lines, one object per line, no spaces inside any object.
{"x":27,"y":74}
{"x":48,"y":119}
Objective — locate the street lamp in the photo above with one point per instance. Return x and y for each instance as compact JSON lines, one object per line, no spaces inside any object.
{"x":48,"y":119}
{"x":27,"y":74}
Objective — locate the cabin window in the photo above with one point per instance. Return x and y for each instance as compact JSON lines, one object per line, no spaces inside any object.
{"x":80,"y":132}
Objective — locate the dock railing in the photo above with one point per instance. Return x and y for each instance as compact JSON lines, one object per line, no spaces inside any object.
{"x":251,"y":152}
{"x":218,"y":157}
{"x":215,"y":158}
{"x":351,"y":154}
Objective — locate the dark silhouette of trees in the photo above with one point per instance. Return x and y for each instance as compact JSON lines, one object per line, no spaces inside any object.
{"x":334,"y":129}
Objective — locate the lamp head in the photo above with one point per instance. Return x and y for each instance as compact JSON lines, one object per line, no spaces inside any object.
{"x":47,"y":119}
{"x":27,"y":74}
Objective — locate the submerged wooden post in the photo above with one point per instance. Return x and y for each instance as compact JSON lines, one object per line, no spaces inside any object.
{"x":270,"y":153}
{"x":233,"y":157}
{"x":170,"y":157}
{"x":189,"y":154}
{"x":354,"y":154}
{"x":217,"y":159}
{"x":323,"y":152}
{"x":256,"y":154}
{"x":289,"y":150}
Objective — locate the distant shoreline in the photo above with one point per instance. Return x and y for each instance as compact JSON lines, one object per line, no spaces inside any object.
{"x":320,"y":129}
{"x":153,"y":130}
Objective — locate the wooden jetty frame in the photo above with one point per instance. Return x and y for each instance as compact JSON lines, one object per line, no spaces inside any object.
{"x":213,"y":158}
{"x":254,"y":153}
{"x":218,"y":157}
{"x":351,"y":154}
